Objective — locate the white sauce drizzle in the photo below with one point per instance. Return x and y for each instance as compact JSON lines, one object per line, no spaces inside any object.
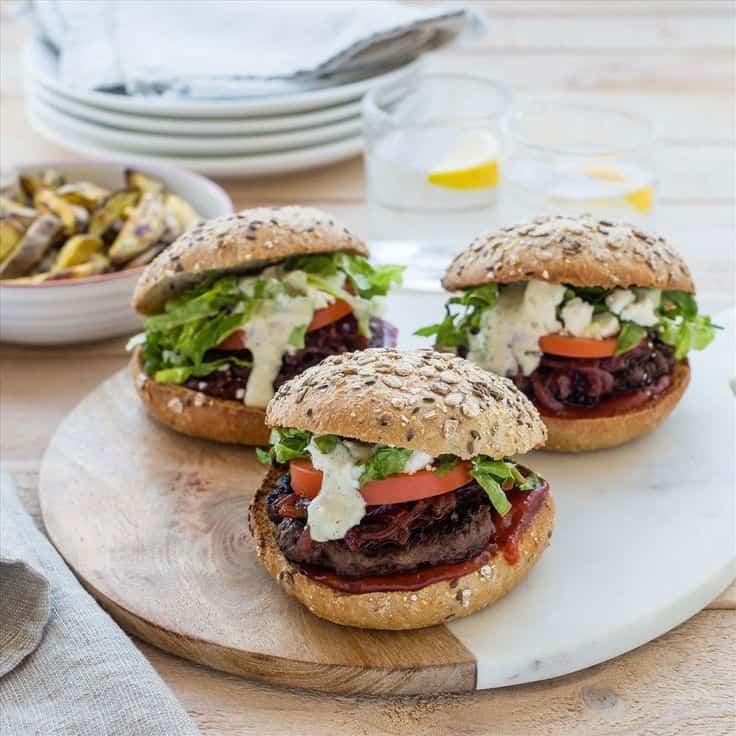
{"x":339,"y":505}
{"x":267,"y":333}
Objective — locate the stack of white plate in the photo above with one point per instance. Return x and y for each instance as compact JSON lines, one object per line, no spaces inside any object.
{"x":248,"y":136}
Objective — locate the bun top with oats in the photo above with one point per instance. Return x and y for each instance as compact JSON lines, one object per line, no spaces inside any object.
{"x":392,"y":473}
{"x":577,"y":311}
{"x":240,"y":304}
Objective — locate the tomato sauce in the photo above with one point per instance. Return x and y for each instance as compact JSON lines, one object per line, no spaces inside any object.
{"x":509,"y":528}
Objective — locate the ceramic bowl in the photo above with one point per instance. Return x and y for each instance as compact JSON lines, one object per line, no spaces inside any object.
{"x":60,"y":312}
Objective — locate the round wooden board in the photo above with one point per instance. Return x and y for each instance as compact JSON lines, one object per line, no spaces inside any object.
{"x":155,"y":526}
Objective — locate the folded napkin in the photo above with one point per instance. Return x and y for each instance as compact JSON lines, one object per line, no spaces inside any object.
{"x":65,"y":666}
{"x":234,"y":48}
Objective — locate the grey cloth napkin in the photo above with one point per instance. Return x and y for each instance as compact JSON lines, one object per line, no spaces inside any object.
{"x":235,"y":48}
{"x":65,"y":666}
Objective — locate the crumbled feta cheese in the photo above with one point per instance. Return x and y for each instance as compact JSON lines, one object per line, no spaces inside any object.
{"x":576,"y":316}
{"x":508,"y":339}
{"x":643,"y":310}
{"x":602,"y":326}
{"x":619,"y":299}
{"x":417,"y":461}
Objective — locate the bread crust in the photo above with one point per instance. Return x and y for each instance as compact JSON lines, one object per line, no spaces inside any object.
{"x":419,"y":399}
{"x":398,"y":610}
{"x":245,"y":241}
{"x":195,"y":414}
{"x":581,"y":251}
{"x":598,"y":433}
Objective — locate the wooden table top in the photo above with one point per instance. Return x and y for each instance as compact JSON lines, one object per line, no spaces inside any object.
{"x":671,"y":60}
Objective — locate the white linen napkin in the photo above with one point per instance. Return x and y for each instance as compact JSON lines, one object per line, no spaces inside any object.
{"x":65,"y":666}
{"x":232,"y":48}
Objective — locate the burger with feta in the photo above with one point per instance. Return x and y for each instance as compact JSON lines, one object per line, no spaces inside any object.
{"x":239,"y":305}
{"x":592,"y":319}
{"x":392,"y":501}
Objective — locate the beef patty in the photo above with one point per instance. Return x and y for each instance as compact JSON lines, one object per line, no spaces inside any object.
{"x":338,"y":337}
{"x":391,"y":538}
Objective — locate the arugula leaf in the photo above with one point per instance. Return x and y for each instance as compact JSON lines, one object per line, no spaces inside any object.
{"x":488,"y":472}
{"x":631,"y":335}
{"x":367,"y":279}
{"x":443,"y":464}
{"x":385,"y":461}
{"x":326,"y":443}
{"x":263,"y":456}
{"x":681,"y":325}
{"x":288,"y":444}
{"x":453,"y":331}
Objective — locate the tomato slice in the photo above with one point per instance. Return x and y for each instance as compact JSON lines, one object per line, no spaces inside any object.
{"x":321,"y":318}
{"x":577,"y":347}
{"x":307,"y":481}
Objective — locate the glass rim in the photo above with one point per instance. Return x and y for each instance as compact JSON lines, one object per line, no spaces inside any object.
{"x":647,"y":138}
{"x":374,"y":112}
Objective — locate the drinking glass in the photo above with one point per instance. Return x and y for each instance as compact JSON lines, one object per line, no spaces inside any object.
{"x":433,"y":158}
{"x":570,"y":158}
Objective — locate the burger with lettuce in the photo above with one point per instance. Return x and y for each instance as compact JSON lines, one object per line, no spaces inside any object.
{"x":392,"y":500}
{"x":241,"y":304}
{"x":592,"y":319}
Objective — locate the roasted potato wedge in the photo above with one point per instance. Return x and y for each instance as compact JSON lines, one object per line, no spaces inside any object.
{"x":111,"y":209}
{"x":39,"y":237}
{"x":84,"y":194}
{"x":141,"y":230}
{"x":78,"y":249}
{"x":138,"y":180}
{"x":73,"y":218}
{"x":9,"y":207}
{"x":96,"y":265}
{"x":182,"y":210}
{"x":11,"y":233}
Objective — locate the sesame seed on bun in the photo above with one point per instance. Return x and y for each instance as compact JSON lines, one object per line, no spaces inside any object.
{"x":580,"y":251}
{"x":418,"y":399}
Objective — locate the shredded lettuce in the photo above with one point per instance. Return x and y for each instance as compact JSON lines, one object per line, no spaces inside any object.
{"x":492,"y":475}
{"x":454,"y":329}
{"x":385,"y":461}
{"x":177,"y":340}
{"x":679,"y":325}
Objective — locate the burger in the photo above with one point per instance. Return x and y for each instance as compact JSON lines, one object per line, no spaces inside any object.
{"x":239,"y":305}
{"x":591,"y":319}
{"x":392,"y":501}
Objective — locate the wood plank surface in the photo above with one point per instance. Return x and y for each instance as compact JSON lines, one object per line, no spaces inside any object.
{"x":672,"y":60}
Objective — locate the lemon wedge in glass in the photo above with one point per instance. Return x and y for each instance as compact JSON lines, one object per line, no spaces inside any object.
{"x":472,"y":163}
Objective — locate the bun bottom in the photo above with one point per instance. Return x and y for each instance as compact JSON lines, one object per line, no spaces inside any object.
{"x":434,"y":604}
{"x":598,"y":433}
{"x":198,"y":415}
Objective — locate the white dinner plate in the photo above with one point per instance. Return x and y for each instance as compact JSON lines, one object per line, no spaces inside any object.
{"x":196,"y":126}
{"x":187,"y":145}
{"x":253,"y":165}
{"x":41,"y":63}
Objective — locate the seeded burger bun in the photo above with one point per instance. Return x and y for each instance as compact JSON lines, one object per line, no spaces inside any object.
{"x":243,"y":242}
{"x":582,"y":251}
{"x":421,"y":400}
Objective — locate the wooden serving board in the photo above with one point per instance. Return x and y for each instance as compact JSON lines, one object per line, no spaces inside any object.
{"x":155,"y":526}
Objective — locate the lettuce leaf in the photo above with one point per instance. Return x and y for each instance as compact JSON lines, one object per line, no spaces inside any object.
{"x":630,"y":336}
{"x":681,"y":325}
{"x":286,"y":444}
{"x":177,"y":340}
{"x":490,"y":474}
{"x":454,"y":329}
{"x":385,"y":461}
